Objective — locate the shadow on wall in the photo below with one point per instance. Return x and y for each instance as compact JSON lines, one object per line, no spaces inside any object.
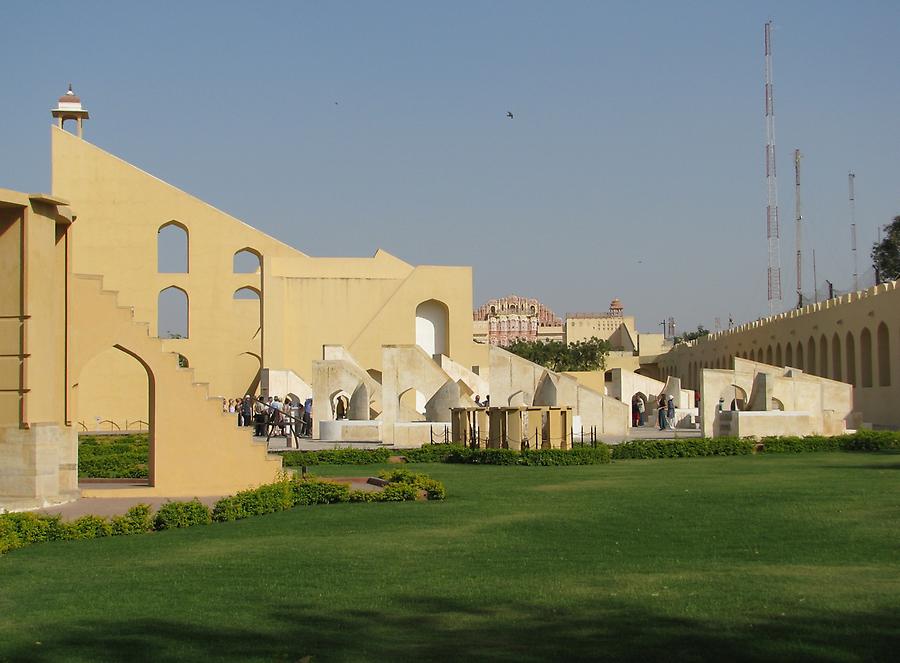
{"x":443,"y":629}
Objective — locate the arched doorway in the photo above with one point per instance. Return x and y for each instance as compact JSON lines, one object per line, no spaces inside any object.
{"x":433,"y":327}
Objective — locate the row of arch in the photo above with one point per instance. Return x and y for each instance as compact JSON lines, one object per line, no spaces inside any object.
{"x":173,"y":309}
{"x":173,"y":252}
{"x":836,"y":358}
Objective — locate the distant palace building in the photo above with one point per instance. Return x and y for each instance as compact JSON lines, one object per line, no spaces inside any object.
{"x":509,"y":319}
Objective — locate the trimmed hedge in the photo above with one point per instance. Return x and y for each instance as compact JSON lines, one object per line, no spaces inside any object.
{"x":21,"y":529}
{"x":336,"y":457}
{"x":686,"y":448}
{"x":543,"y":457}
{"x":865,"y":440}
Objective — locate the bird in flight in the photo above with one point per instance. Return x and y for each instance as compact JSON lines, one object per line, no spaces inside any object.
{"x":509,"y":114}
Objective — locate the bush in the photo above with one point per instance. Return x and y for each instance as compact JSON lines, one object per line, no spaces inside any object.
{"x":793,"y":444}
{"x":433,"y":453}
{"x":9,"y":536}
{"x":173,"y":515}
{"x":434,"y":489}
{"x":87,"y":527}
{"x":398,"y":492}
{"x":686,"y":448}
{"x":317,"y":491}
{"x":35,"y":528}
{"x":336,"y":457}
{"x":363,"y":496}
{"x":871,"y":440}
{"x":577,"y":456}
{"x":137,"y":520}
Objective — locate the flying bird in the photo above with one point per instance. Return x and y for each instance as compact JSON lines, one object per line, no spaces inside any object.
{"x":509,"y":114}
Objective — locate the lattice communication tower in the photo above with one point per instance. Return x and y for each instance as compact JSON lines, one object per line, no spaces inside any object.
{"x":774,"y":272}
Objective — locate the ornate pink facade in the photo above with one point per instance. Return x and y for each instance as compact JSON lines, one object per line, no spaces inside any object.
{"x":513,"y":318}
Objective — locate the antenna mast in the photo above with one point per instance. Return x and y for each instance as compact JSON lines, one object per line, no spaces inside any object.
{"x":851,"y":178}
{"x":774,"y":272}
{"x":798,"y":217}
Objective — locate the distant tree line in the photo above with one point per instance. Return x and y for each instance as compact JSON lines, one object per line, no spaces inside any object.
{"x":589,"y":355}
{"x":691,"y":336}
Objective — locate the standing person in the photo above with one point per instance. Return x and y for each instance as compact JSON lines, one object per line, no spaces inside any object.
{"x":661,"y":412}
{"x":635,"y":415}
{"x":642,"y":410}
{"x":487,"y":401}
{"x":307,"y":417}
{"x":259,"y":418}
{"x":477,"y":400}
{"x":670,"y":413}
{"x":246,"y":410}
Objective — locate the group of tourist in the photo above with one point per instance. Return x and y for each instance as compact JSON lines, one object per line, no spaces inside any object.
{"x":272,"y":415}
{"x":665,"y":412}
{"x":482,"y":403}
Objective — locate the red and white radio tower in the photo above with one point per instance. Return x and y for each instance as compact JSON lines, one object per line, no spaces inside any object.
{"x":771,"y":184}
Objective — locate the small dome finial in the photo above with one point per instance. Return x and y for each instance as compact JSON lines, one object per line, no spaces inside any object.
{"x":70,"y":89}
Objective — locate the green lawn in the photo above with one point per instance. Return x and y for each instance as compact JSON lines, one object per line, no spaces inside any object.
{"x":755,"y":558}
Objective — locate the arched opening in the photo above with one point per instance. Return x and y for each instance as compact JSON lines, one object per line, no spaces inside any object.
{"x":183,"y":361}
{"x":412,"y":405}
{"x":775,"y":404}
{"x":640,"y":408}
{"x":246,"y":261}
{"x":836,"y":362}
{"x":865,"y":357}
{"x":733,"y":397}
{"x":799,"y":355}
{"x":769,"y":356}
{"x":851,"y":359}
{"x":172,"y":248}
{"x":778,"y":355}
{"x":884,"y":356}
{"x":545,"y":393}
{"x":811,"y":356}
{"x":172,"y":319}
{"x":433,"y":327}
{"x":112,"y":393}
{"x":516,"y":399}
{"x":246,"y":292}
{"x":374,"y":374}
{"x":340,"y":405}
{"x":823,"y":356}
{"x":788,"y":355}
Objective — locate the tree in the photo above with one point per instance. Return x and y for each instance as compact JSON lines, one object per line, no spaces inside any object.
{"x":691,"y":336}
{"x":587,"y":355}
{"x":886,"y":253}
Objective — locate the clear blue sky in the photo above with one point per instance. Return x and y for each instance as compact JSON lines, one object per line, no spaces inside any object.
{"x":633,"y":168}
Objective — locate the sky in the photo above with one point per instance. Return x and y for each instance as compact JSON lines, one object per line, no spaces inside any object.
{"x":633,"y":166}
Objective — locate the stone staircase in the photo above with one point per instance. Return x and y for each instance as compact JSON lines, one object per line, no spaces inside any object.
{"x":195,"y":448}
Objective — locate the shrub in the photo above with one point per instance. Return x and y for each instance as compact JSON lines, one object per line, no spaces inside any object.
{"x":173,"y":515}
{"x":871,"y":440}
{"x":685,"y":448}
{"x":434,"y":489}
{"x":398,"y":492}
{"x":35,"y":528}
{"x":87,"y":527}
{"x":433,"y":453}
{"x":576,"y":456}
{"x":793,"y":444}
{"x":137,"y":520}
{"x":363,"y":496}
{"x":317,"y":491}
{"x":336,"y":457}
{"x":9,"y":536}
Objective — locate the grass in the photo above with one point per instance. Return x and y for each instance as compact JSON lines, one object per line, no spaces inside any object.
{"x":114,"y":456}
{"x":749,"y":558}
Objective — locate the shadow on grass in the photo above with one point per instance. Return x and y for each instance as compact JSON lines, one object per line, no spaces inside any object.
{"x":438,"y":629}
